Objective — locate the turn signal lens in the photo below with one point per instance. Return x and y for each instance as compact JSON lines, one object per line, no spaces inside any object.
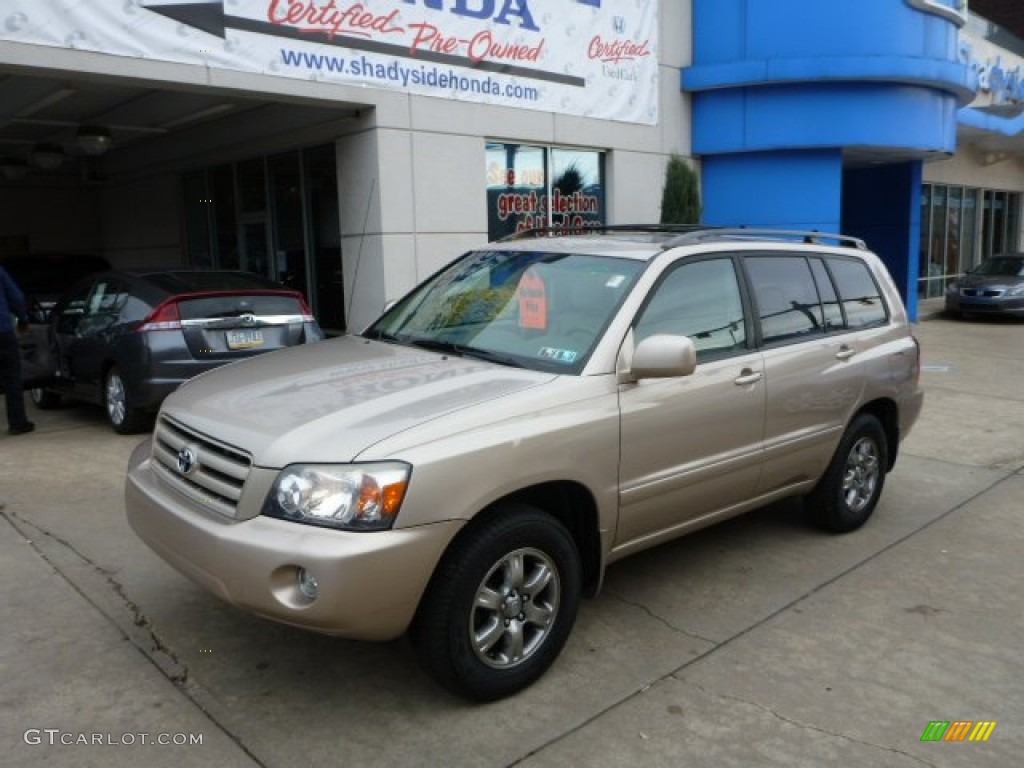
{"x":353,"y":497}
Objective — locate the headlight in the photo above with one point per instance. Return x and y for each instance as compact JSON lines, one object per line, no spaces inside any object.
{"x":953,"y":287}
{"x":351,"y":497}
{"x":1017,"y":290}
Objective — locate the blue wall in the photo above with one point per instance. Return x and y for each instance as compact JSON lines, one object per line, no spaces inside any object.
{"x":795,"y":189}
{"x":881,"y":204}
{"x":856,"y":115}
{"x":795,"y":100}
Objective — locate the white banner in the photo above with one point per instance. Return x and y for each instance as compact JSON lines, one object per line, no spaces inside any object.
{"x":594,"y":58}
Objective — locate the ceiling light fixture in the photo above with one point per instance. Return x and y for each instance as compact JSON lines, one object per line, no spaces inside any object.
{"x":47,"y":157}
{"x":94,"y":140}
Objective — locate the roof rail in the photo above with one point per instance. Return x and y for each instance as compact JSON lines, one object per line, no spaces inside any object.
{"x":704,"y":234}
{"x":597,"y":229}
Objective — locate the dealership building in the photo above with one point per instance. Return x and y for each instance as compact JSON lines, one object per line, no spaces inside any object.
{"x":352,"y":148}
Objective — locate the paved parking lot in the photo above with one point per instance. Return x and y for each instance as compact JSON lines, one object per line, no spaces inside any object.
{"x":757,"y":642}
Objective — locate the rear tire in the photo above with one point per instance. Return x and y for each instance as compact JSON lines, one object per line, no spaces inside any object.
{"x":124,"y":419}
{"x":45,"y":399}
{"x":500,"y":605}
{"x":849,"y":490}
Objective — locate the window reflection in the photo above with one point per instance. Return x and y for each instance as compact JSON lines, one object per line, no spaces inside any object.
{"x":960,"y":227}
{"x":531,"y":187}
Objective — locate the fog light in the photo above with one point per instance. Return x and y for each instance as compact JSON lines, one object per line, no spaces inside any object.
{"x":308,"y":585}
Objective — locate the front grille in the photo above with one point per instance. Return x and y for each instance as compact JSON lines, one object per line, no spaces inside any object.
{"x":218,"y":475}
{"x":987,"y":293}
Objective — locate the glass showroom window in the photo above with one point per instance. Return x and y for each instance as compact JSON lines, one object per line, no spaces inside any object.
{"x":1000,"y":220}
{"x":529,"y":187}
{"x":961,"y":226}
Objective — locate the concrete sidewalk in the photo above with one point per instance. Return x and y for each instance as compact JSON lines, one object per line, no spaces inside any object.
{"x":756,"y":642}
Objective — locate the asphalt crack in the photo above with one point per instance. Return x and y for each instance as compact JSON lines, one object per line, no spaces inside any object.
{"x":660,"y":619}
{"x":137,"y":630}
{"x":800,"y":723}
{"x":145,"y":637}
{"x":764,"y":620}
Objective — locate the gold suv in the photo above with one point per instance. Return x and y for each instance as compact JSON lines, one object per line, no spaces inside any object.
{"x":467,"y":467}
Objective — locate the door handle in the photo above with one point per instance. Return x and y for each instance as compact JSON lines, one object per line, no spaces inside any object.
{"x":845,"y":352}
{"x":747,"y":376}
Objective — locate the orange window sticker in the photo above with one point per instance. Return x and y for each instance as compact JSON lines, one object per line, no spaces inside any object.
{"x":533,"y":301}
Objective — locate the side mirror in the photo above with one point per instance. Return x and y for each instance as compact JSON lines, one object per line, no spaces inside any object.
{"x":662,"y":356}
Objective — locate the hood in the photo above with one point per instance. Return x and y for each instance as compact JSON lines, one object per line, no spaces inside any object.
{"x":989,"y":281}
{"x":329,"y":401}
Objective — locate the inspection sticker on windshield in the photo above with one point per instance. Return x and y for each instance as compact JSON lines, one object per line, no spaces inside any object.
{"x":615,"y":281}
{"x":558,"y":355}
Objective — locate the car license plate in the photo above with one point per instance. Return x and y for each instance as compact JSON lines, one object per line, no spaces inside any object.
{"x":244,"y":339}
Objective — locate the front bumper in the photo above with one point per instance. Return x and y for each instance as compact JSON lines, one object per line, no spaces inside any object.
{"x":1011,"y":306}
{"x":369,"y":583}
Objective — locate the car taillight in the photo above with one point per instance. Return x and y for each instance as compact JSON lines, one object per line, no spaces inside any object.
{"x":164,"y":318}
{"x":307,"y":313}
{"x":917,"y":362}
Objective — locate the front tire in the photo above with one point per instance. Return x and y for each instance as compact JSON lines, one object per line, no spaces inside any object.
{"x":500,"y":606}
{"x":124,"y":419}
{"x":849,"y":490}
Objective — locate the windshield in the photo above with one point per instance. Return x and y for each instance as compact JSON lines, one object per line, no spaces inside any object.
{"x":1001,"y":266}
{"x":543,"y":311}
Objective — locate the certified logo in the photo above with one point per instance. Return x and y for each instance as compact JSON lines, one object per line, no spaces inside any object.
{"x":187,"y":460}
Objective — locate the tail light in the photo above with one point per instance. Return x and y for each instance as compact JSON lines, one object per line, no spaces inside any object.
{"x":307,"y":313}
{"x":917,"y":362}
{"x":164,"y":318}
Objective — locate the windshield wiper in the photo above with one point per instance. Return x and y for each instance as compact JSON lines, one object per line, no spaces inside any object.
{"x":434,"y":345}
{"x":490,"y":357}
{"x":461,"y":350}
{"x":379,"y":336}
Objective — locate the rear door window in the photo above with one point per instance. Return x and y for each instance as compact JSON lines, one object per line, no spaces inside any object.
{"x":859,"y":293}
{"x":72,"y":307}
{"x":787,"y":300}
{"x":105,"y":301}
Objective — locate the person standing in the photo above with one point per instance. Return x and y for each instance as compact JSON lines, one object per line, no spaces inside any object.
{"x":12,"y":304}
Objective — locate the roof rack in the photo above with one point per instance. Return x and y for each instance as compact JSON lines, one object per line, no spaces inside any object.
{"x":667,"y":229}
{"x":687,"y":234}
{"x":704,"y":234}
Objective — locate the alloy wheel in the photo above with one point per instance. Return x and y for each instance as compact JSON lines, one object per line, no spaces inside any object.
{"x":515,"y":608}
{"x":860,"y":477}
{"x":116,"y":407}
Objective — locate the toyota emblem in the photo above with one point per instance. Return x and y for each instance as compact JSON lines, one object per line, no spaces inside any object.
{"x":187,"y":460}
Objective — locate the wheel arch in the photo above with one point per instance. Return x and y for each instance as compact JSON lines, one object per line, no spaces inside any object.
{"x":888,"y":414}
{"x":569,"y":502}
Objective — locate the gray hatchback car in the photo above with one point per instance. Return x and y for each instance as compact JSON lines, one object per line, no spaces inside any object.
{"x":467,"y":467}
{"x":126,"y":339}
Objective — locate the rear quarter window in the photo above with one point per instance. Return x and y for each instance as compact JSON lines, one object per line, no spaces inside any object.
{"x":859,"y":294}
